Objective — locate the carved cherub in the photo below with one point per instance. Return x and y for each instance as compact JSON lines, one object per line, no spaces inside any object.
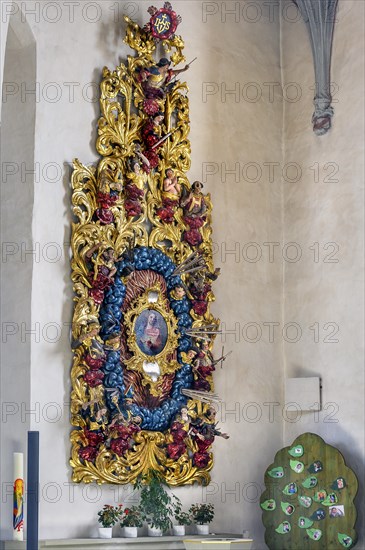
{"x":178,"y":293}
{"x":108,"y":182}
{"x":91,"y":340}
{"x":189,"y":356}
{"x":103,"y":261}
{"x":206,"y":430}
{"x":171,"y":186}
{"x":136,"y":176}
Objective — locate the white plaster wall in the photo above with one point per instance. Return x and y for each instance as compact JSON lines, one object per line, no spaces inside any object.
{"x":235,"y":131}
{"x":318,"y":210}
{"x":230,"y":131}
{"x":17,"y":193}
{"x":4,"y":23}
{"x":253,"y":206}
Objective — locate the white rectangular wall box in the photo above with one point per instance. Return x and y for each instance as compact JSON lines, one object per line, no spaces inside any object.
{"x":304,"y":392}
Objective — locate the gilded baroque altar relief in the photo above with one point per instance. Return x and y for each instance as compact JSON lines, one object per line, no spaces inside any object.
{"x":142,"y":268}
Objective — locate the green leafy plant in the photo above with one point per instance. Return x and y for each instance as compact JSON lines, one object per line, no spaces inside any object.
{"x":202,"y":513}
{"x":132,"y":517}
{"x":157,"y":505}
{"x":110,"y":515}
{"x":183,"y":518}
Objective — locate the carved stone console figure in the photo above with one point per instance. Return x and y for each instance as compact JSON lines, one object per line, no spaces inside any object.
{"x":319,"y":16}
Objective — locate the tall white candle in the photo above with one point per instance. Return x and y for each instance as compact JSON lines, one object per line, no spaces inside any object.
{"x":18,"y":501}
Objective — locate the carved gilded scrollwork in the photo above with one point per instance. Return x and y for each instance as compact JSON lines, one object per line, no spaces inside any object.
{"x":142,"y":270}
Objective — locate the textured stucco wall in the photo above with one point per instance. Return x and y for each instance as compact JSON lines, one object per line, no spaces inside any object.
{"x":243,"y":134}
{"x":326,"y":206}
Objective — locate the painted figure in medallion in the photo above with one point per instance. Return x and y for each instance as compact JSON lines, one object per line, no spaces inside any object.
{"x":151,"y":332}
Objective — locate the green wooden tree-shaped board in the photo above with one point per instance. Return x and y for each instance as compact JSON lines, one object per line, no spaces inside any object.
{"x":308,"y":503}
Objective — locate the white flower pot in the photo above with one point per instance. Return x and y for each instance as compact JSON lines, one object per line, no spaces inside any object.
{"x":130,"y":532}
{"x":154,"y":532}
{"x":178,"y":530}
{"x":202,"y":529}
{"x":105,"y":532}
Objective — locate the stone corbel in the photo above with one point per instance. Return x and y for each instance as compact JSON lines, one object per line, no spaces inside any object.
{"x":319,"y":16}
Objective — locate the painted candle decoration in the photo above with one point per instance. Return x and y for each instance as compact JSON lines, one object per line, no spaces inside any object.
{"x":18,"y":499}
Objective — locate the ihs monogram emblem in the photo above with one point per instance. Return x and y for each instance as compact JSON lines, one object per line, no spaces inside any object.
{"x":163,"y":22}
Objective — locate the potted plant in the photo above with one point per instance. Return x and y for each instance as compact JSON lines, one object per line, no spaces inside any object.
{"x":108,"y":517}
{"x":202,"y":515}
{"x":156,"y":503}
{"x":183,"y":519}
{"x":131,"y":519}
